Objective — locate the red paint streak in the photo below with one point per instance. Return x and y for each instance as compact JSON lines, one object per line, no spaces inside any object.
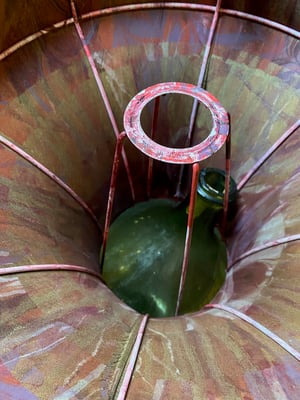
{"x":47,"y":267}
{"x":189,"y":231}
{"x":111,"y":195}
{"x":259,"y":327}
{"x":51,"y":175}
{"x":102,"y":92}
{"x":7,"y":377}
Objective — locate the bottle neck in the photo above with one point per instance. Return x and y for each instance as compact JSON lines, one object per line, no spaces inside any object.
{"x":210,"y":195}
{"x":206,"y":214}
{"x":204,"y":207}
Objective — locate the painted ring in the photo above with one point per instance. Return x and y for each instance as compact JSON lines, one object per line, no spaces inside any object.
{"x":188,"y":155}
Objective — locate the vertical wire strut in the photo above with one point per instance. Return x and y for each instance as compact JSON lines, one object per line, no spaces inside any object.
{"x":202,"y":73}
{"x":189,"y":231}
{"x":102,"y":92}
{"x":153,"y":130}
{"x":123,"y":391}
{"x":227,"y":179}
{"x":111,"y":195}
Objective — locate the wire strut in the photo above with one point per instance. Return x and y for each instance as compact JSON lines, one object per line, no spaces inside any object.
{"x":258,"y":326}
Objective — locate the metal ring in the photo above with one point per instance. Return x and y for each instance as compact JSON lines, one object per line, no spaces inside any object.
{"x":188,"y":155}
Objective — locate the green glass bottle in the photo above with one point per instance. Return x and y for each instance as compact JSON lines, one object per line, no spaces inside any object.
{"x":145,"y":247}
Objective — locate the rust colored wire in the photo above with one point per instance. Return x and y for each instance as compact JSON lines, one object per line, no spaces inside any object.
{"x":255,"y":324}
{"x":203,"y":68}
{"x":188,"y":237}
{"x":111,"y":195}
{"x":146,"y":6}
{"x":152,"y":135}
{"x":10,"y":145}
{"x":227,"y":181}
{"x":55,"y":267}
{"x":132,"y":360}
{"x":102,"y":91}
{"x":202,"y":73}
{"x":265,"y":246}
{"x":268,"y":154}
{"x":47,"y":267}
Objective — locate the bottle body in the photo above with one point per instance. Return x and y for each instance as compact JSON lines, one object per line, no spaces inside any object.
{"x":144,"y":255}
{"x":145,"y":251}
